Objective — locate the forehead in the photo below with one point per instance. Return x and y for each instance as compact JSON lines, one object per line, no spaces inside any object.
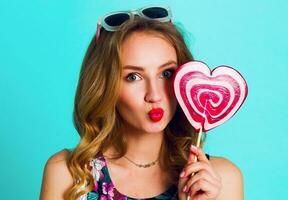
{"x":147,"y":49}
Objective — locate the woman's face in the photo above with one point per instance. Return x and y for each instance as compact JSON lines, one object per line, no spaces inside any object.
{"x":146,"y":102}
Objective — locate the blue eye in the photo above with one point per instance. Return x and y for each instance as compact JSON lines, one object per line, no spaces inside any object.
{"x":132,"y":77}
{"x":167,"y":73}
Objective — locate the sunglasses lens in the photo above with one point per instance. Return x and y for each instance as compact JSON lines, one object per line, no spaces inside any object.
{"x":155,"y":12}
{"x":116,"y":19}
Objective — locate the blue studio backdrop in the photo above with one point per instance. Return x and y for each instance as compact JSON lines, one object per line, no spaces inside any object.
{"x":42,"y":44}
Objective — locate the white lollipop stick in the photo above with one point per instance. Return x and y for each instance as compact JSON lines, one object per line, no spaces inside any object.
{"x":199,"y":136}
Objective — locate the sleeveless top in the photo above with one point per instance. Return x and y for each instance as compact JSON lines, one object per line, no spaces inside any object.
{"x":104,"y":188}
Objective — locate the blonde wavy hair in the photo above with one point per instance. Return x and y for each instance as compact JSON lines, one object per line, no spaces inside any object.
{"x":95,"y":115}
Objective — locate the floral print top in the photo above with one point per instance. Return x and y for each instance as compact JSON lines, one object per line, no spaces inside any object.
{"x":104,"y":188}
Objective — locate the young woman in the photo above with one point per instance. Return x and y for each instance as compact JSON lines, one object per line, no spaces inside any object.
{"x":135,"y":142}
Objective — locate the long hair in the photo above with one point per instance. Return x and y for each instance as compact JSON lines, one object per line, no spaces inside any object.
{"x":95,"y":115}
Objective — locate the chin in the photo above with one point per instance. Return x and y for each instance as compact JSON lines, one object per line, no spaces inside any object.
{"x":156,"y":127}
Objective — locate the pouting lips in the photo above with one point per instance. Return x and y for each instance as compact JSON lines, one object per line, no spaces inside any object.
{"x":156,"y":114}
{"x":208,"y":98}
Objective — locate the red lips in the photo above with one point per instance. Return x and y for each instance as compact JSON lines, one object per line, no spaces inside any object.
{"x":156,"y":114}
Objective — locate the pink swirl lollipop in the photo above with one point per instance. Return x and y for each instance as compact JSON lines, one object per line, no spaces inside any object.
{"x":208,"y":98}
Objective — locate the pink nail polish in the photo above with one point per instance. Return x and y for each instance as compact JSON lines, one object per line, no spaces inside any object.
{"x":193,"y":148}
{"x":182,"y":174}
{"x":185,"y":189}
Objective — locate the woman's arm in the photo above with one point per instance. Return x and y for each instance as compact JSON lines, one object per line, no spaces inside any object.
{"x":56,"y":177}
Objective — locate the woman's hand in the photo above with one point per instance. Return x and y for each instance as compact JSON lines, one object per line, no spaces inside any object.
{"x":204,"y":184}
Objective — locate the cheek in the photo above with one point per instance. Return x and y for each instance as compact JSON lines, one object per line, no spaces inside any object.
{"x":129,"y":99}
{"x":172,"y":104}
{"x":169,"y":93}
{"x":170,"y":96}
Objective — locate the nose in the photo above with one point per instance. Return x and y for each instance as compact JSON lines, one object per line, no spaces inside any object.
{"x":153,"y":94}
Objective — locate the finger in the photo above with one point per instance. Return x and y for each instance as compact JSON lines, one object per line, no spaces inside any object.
{"x":203,"y":174}
{"x":199,"y":153}
{"x":195,"y":167}
{"x":191,"y":158}
{"x":200,"y":196}
{"x":201,"y":187}
{"x":182,"y":190}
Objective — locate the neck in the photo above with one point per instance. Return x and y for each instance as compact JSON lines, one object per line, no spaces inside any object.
{"x":144,"y":148}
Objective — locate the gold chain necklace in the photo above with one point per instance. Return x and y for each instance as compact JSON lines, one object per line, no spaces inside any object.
{"x":142,"y":165}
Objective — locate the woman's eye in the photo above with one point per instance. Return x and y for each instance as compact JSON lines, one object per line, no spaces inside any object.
{"x":167,"y":73}
{"x":132,"y":77}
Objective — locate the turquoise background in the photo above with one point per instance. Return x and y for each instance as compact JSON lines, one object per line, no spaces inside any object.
{"x":42,"y":45}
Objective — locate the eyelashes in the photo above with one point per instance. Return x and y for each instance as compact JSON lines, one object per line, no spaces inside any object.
{"x":134,"y":76}
{"x":168,"y":73}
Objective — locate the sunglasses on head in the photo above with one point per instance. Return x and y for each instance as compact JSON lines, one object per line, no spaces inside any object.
{"x":112,"y":21}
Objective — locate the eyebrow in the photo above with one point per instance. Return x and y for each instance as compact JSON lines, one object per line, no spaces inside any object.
{"x":138,"y":68}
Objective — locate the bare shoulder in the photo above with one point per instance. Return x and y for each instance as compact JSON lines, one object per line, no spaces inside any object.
{"x":56,"y":177}
{"x":231,"y":178}
{"x":225,"y":167}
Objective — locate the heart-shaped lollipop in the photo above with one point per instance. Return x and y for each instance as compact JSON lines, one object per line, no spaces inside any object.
{"x":208,"y":98}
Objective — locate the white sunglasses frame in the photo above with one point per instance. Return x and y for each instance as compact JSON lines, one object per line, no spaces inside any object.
{"x":102,"y":24}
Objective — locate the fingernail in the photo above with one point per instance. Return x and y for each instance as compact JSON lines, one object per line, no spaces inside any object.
{"x":193,"y":148}
{"x":185,"y":188}
{"x":182,"y":174}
